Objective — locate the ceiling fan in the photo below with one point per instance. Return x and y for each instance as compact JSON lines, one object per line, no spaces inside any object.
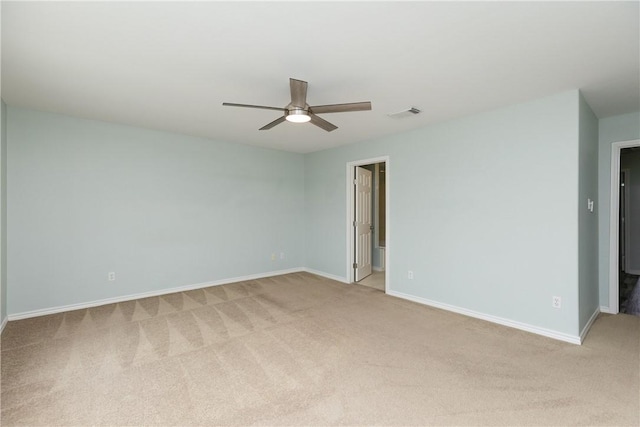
{"x":298,"y":111}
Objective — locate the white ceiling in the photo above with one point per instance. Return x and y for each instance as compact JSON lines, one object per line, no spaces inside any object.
{"x":169,"y":66}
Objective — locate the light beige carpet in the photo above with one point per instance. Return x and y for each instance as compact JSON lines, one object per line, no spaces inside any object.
{"x":302,"y":350}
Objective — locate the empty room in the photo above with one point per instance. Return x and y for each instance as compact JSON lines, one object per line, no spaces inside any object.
{"x":319,"y":213}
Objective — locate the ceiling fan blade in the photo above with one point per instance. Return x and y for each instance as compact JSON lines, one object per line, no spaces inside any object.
{"x":273,"y":123}
{"x":298,"y":93}
{"x":231,"y":104}
{"x":341,"y":108}
{"x":322,"y":123}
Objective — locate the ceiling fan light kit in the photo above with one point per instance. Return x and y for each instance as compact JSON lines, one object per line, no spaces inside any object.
{"x":297,"y":115}
{"x":298,"y":111}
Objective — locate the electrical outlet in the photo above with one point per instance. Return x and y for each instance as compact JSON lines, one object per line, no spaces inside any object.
{"x":410,"y":275}
{"x":281,"y":255}
{"x":111,"y":276}
{"x":273,"y":256}
{"x":556,"y":302}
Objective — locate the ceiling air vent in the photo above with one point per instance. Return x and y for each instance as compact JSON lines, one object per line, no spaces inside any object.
{"x":405,"y":113}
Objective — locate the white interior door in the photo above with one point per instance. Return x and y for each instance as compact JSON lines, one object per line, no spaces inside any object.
{"x":362,"y":223}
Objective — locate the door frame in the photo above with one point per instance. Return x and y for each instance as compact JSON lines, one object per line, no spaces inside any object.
{"x":350,"y":274}
{"x":614,"y":216}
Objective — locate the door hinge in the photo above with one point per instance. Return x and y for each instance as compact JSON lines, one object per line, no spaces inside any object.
{"x":354,"y":224}
{"x":355,"y":265}
{"x":355,"y":182}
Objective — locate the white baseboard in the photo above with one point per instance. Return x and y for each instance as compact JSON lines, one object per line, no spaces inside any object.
{"x":79,"y":306}
{"x":586,"y":328}
{"x":326,"y":275}
{"x":494,"y":319}
{"x":379,"y":269}
{"x":605,"y":309}
{"x":3,"y":324}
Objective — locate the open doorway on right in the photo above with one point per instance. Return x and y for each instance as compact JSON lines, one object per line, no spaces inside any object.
{"x":629,"y":231}
{"x":378,"y":242}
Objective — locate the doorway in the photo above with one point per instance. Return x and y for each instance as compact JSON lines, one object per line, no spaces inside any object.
{"x":620,"y":229}
{"x":629,"y":232}
{"x":367,"y":222}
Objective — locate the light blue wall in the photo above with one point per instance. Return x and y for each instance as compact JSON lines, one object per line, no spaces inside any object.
{"x":485,"y":210}
{"x":161,"y":210}
{"x":482,"y":209}
{"x":588,"y":221}
{"x":3,"y":211}
{"x":624,"y":127}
